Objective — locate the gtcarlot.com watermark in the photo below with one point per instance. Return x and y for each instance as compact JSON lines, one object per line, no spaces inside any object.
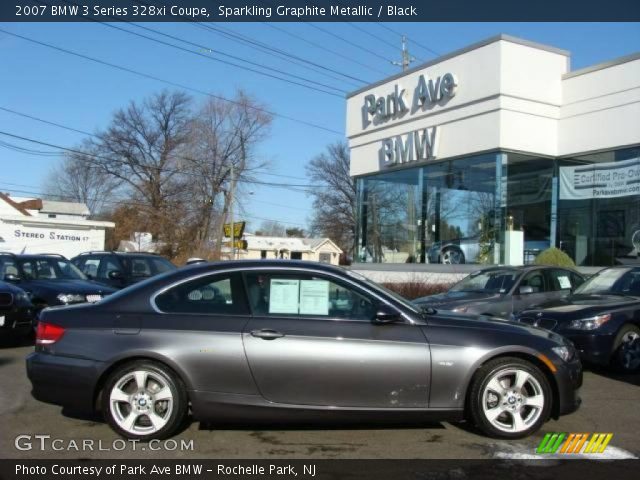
{"x":45,"y":443}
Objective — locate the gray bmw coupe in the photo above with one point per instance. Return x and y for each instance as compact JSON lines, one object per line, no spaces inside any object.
{"x":293,"y":340}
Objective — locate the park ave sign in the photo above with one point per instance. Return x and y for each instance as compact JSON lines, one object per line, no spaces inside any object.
{"x":417,"y":145}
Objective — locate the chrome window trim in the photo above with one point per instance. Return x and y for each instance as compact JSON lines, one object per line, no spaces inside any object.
{"x":266,"y":269}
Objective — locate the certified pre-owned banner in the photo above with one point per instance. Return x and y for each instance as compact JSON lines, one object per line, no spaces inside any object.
{"x":602,"y":180}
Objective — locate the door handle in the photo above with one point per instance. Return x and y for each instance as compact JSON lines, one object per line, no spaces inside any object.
{"x":266,"y":334}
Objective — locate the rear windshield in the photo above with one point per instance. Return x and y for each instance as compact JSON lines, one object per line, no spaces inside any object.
{"x":144,"y":267}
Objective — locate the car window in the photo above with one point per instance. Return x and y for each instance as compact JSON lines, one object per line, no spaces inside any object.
{"x":536,"y":281}
{"x":307,"y":296}
{"x":8,"y":266}
{"x":89,"y":266}
{"x":50,"y":269}
{"x":161,"y":265}
{"x":217,"y":295}
{"x":499,"y":281}
{"x":561,"y":280}
{"x":108,"y":265}
{"x":576,"y":280}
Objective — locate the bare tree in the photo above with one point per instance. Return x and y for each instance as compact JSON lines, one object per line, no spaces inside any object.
{"x":222,"y":151}
{"x":141,"y":147}
{"x":335,"y":205}
{"x":78,"y":179}
{"x":271,"y":228}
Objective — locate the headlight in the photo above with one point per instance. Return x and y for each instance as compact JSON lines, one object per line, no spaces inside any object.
{"x":71,"y":298}
{"x":565,"y":352}
{"x":590,"y":323}
{"x":460,"y":309}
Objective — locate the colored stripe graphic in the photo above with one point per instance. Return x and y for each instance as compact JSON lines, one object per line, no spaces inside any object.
{"x":572,"y":443}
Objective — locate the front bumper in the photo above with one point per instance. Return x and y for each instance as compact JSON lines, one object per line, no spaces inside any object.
{"x":594,"y":348}
{"x":16,"y":322}
{"x":568,"y":381}
{"x":66,"y":381}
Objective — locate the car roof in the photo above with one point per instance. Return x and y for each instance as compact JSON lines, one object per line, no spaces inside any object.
{"x":29,"y":256}
{"x":107,"y":252}
{"x":522,"y":268}
{"x":266,"y":264}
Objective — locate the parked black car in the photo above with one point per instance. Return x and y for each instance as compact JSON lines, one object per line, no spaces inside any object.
{"x":270,"y":340}
{"x":502,"y":291}
{"x":121,"y":269}
{"x":602,"y":318}
{"x":50,"y":279}
{"x":16,"y":311}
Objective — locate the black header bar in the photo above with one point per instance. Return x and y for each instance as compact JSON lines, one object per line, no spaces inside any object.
{"x":317,"y":10}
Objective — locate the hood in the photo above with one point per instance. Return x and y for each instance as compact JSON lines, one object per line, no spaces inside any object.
{"x":6,"y":287}
{"x":453,"y":299}
{"x":84,"y":287}
{"x":581,"y":305}
{"x":507,"y":327}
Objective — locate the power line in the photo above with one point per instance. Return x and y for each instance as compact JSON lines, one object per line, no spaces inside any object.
{"x":278,"y":53}
{"x":349,"y":42}
{"x":424,"y":47}
{"x":167,"y":82}
{"x":135,"y":203}
{"x":367,"y":32}
{"x":66,"y":127}
{"x":166,"y":170}
{"x":322,"y":47}
{"x":292,"y":82}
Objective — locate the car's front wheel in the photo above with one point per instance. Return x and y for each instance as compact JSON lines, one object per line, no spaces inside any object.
{"x":144,"y":400}
{"x":509,"y":398}
{"x":452,"y":256}
{"x":626,"y":349}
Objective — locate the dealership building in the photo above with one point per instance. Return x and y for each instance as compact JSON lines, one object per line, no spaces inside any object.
{"x":495,"y":152}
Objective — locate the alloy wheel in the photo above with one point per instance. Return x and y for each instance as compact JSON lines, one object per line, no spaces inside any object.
{"x":451,"y":256}
{"x":630,"y":351}
{"x":141,"y":402}
{"x":513,"y":400}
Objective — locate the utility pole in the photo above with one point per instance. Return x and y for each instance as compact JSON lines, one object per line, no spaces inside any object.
{"x":406,"y":58}
{"x":233,"y":240}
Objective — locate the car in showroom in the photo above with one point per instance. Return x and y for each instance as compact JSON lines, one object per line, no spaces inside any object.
{"x":16,"y":312}
{"x":466,"y":250}
{"x":503,"y":291}
{"x":121,"y":269}
{"x":49,"y":279}
{"x":601,"y":317}
{"x":274,"y":340}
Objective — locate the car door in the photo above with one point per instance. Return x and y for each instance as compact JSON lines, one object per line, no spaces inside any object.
{"x":312,"y":340}
{"x":532,"y":290}
{"x":200,"y":330}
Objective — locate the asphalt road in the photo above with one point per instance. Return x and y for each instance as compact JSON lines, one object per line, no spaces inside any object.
{"x":610,"y":404}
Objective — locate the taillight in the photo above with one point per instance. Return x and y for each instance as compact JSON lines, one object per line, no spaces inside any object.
{"x":48,"y":333}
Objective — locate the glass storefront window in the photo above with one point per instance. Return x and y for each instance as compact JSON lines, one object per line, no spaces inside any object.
{"x":599,"y":207}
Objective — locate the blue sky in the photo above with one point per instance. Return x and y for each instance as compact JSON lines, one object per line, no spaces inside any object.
{"x":55,"y":86}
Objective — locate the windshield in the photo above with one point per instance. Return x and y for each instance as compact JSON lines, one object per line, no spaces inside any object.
{"x":50,"y":268}
{"x":494,"y":281}
{"x":621,"y":281}
{"x":375,"y":286}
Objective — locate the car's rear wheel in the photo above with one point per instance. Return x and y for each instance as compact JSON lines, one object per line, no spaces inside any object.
{"x":144,"y":400}
{"x":626,"y":349}
{"x":509,"y":398}
{"x":452,"y":256}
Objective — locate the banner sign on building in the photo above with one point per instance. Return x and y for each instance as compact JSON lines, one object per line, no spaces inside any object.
{"x":600,"y":180}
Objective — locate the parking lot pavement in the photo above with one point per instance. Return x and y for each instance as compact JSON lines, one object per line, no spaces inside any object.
{"x":610,"y":404}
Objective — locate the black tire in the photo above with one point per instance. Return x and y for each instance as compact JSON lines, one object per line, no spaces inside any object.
{"x":625,"y":346}
{"x":480,"y":382}
{"x":174,"y":419}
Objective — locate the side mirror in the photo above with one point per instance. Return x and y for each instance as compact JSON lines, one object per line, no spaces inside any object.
{"x":386,"y":314}
{"x":12,"y":277}
{"x":525,"y":290}
{"x":115,"y":275}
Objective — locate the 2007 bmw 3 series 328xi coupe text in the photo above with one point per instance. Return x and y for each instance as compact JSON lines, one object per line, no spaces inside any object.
{"x":278,"y":340}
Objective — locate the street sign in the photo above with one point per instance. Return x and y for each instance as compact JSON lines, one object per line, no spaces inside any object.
{"x":238,"y":229}
{"x":239,"y":244}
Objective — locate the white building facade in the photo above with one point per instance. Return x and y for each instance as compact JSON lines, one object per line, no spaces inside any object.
{"x":31,"y":225}
{"x":500,"y":136}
